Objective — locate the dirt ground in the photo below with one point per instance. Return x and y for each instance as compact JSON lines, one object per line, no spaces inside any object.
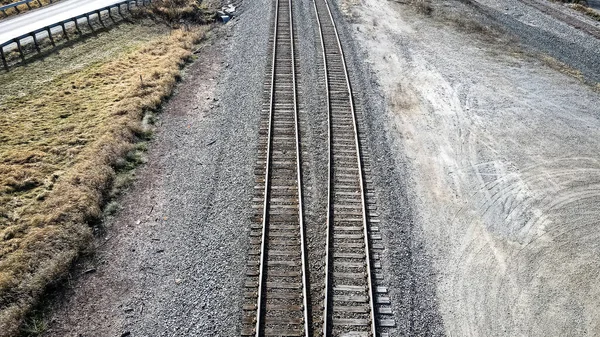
{"x":502,"y":173}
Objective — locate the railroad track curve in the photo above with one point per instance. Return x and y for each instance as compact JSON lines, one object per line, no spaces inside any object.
{"x":278,"y":282}
{"x":349,"y":308}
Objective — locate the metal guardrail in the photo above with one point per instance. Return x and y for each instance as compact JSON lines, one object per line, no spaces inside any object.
{"x":63,"y":29}
{"x":15,"y":5}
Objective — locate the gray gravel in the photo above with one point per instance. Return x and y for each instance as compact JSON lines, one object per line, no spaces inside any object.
{"x":544,"y":34}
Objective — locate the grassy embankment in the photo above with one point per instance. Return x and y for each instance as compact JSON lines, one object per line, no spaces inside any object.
{"x":23,"y":8}
{"x":66,"y":123}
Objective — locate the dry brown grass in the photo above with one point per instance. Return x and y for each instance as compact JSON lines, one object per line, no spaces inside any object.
{"x":562,"y":67}
{"x":175,"y":11}
{"x":60,"y":139}
{"x":23,"y":8}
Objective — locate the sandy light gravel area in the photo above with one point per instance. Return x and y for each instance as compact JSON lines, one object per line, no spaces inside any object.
{"x":498,"y":153}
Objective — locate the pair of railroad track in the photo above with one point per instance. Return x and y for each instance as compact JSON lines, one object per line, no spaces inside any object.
{"x":277,"y":290}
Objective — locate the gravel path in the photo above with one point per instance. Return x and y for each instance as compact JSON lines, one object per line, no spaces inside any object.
{"x":173,"y":261}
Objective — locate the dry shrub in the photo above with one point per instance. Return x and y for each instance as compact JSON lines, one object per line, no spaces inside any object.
{"x":58,"y":152}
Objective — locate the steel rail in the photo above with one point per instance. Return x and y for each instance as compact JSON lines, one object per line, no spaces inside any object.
{"x":360,"y":174}
{"x":265,"y":221}
{"x":261,"y":273}
{"x":299,"y":174}
{"x":329,"y":156}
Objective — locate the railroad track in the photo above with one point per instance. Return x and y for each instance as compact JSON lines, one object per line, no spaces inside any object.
{"x":276,"y":297}
{"x":349,"y":308}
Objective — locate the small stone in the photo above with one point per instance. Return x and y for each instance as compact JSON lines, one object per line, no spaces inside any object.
{"x":125,"y":334}
{"x":178,"y":280}
{"x":128,"y":309}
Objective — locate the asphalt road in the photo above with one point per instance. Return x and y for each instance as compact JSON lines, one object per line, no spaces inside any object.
{"x":30,"y":21}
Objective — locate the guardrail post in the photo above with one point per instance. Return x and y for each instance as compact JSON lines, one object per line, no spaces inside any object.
{"x":119,"y":10}
{"x":62,"y":24}
{"x":77,"y":26}
{"x":100,"y":19}
{"x":87,"y":16}
{"x":50,"y":36}
{"x":35,"y":42}
{"x":110,"y":15}
{"x":3,"y":58}
{"x":28,"y":5}
{"x":39,"y":3}
{"x":20,"y":49}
